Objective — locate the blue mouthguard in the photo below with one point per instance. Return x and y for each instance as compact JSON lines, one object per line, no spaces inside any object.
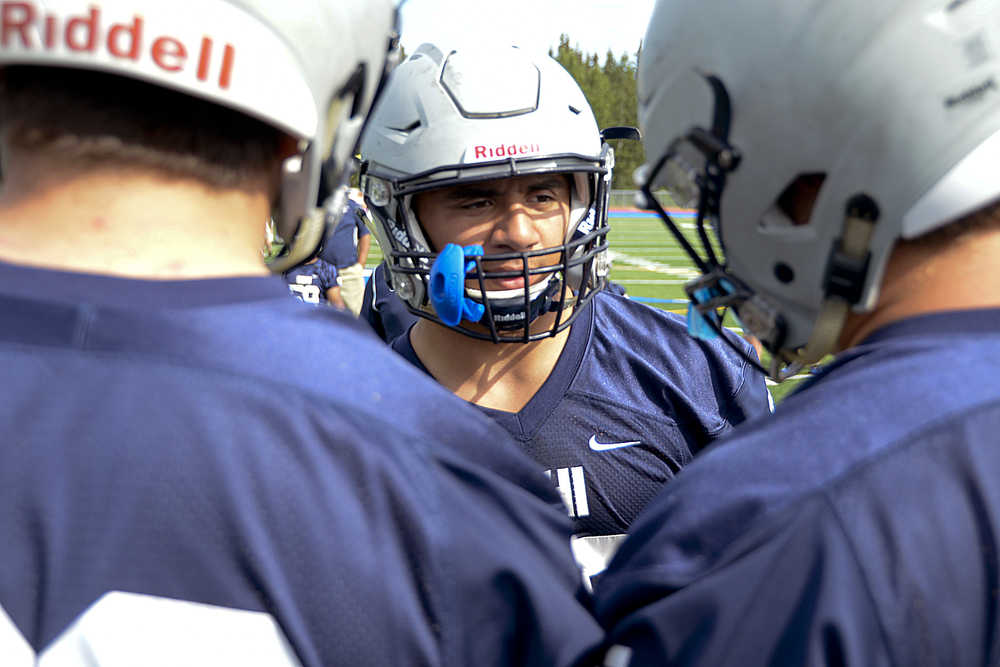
{"x":448,"y":285}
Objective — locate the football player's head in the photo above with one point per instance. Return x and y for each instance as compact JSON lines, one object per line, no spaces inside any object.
{"x":304,"y":72}
{"x":488,"y":182}
{"x":812,"y":136}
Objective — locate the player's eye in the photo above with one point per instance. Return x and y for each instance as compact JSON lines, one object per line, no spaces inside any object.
{"x":475,"y":204}
{"x":543,"y":197}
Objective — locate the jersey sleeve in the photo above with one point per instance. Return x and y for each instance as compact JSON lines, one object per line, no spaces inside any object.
{"x":357,"y":216}
{"x":752,"y":398}
{"x":327,"y":273}
{"x":788,"y":592}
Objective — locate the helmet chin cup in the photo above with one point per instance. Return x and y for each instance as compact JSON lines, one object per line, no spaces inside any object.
{"x":510,"y":313}
{"x":447,"y":285}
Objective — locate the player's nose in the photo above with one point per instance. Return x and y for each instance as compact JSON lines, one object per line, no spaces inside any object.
{"x":516,"y":228}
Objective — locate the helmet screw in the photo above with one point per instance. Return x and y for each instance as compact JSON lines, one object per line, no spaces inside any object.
{"x":784,"y":273}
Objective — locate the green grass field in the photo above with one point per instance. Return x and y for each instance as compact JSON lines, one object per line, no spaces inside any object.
{"x":649,"y":263}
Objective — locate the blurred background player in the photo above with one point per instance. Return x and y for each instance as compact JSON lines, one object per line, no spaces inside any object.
{"x":315,"y":282}
{"x":184,"y":476}
{"x":853,"y":180}
{"x":488,"y":180}
{"x":346,"y":247}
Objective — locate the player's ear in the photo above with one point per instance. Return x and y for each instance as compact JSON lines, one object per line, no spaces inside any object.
{"x":287,"y":147}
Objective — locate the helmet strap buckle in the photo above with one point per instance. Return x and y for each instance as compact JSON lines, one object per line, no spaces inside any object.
{"x":846,"y":273}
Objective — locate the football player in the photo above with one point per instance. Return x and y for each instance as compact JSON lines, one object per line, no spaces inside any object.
{"x":346,"y":248}
{"x":180,"y":482}
{"x":846,"y":153}
{"x":488,"y":179}
{"x":315,"y":282}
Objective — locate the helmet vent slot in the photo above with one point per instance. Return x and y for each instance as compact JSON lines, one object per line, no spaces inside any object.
{"x":409,"y":128}
{"x":797,"y":200}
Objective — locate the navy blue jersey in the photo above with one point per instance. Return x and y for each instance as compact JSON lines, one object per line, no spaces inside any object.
{"x":340,"y":246}
{"x":309,"y":282}
{"x":631,"y":400}
{"x":383,"y":309}
{"x":858,"y":526}
{"x":183,"y":476}
{"x":615,"y":288}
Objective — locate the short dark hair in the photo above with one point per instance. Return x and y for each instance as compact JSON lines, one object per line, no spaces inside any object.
{"x":80,"y":120}
{"x":981,"y":220}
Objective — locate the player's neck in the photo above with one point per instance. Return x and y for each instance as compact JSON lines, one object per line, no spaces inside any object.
{"x":920,"y":281}
{"x":502,"y":376}
{"x":133,"y":225}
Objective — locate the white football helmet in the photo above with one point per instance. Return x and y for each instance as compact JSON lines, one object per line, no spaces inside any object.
{"x":310,"y":68}
{"x":891,"y":108}
{"x":467,"y":116}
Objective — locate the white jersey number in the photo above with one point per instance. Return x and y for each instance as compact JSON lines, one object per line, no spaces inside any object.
{"x":132,"y":629}
{"x":305,"y":290}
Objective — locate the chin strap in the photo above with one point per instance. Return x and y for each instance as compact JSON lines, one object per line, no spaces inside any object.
{"x":447,"y":285}
{"x":846,"y":272}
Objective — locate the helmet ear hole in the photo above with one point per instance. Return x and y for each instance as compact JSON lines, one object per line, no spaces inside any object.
{"x":798,"y":198}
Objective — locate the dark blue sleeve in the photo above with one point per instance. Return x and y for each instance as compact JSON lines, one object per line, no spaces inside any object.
{"x":615,"y":288}
{"x":382,"y":308}
{"x":788,"y":593}
{"x":327,"y":274}
{"x":751,"y":398}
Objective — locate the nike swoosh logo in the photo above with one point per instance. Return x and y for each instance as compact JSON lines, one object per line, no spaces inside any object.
{"x":603,"y":447}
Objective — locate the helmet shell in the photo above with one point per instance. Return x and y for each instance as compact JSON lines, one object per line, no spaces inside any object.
{"x":838,"y":89}
{"x":307,"y":67}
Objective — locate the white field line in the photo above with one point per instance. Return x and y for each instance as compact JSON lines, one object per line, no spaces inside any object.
{"x":654,"y":267}
{"x":657,"y":225}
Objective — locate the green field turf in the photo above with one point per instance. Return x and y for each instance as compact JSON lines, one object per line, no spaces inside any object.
{"x":649,"y":263}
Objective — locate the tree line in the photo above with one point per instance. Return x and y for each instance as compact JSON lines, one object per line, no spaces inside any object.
{"x":611,"y":90}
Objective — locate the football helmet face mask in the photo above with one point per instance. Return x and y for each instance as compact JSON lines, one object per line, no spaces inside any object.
{"x":900,"y":141}
{"x":459,"y":118}
{"x":307,"y":67}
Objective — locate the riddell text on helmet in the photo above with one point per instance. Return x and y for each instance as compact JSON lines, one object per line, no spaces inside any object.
{"x":23,"y":23}
{"x":500,"y":151}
